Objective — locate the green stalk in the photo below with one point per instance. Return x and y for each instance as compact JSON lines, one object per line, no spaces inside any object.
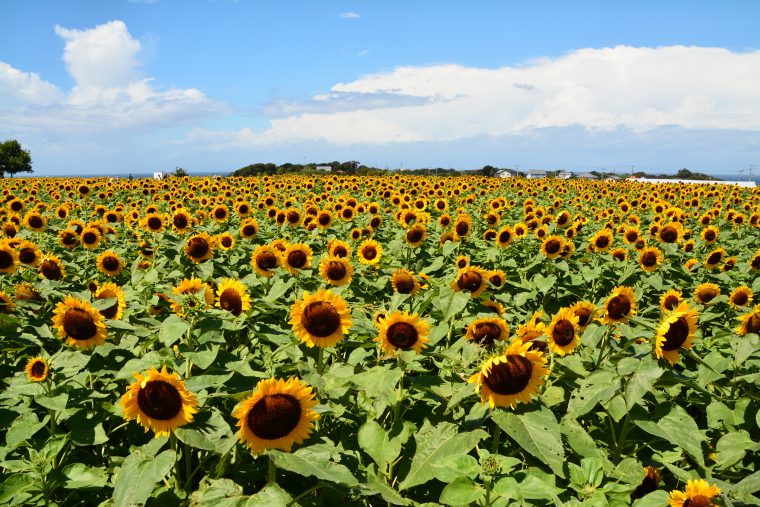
{"x":271,"y":471}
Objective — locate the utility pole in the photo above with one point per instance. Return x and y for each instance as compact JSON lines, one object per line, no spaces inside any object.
{"x":749,"y":172}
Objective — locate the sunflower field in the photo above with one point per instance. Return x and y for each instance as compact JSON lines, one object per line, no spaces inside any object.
{"x":385,"y":340}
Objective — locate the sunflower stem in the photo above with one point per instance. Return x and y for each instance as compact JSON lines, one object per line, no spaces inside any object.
{"x":496,"y":439}
{"x":175,"y":447}
{"x":320,"y":360}
{"x":602,"y":346}
{"x":271,"y":471}
{"x":187,"y":455}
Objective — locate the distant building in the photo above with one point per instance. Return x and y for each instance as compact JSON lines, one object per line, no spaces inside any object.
{"x":588,"y":176}
{"x":324,"y":168}
{"x":160,"y":175}
{"x":565,"y":175}
{"x":612,"y":177}
{"x":506,"y":173}
{"x":536,"y":173}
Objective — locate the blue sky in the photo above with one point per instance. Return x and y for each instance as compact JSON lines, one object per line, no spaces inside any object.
{"x":120,"y":86}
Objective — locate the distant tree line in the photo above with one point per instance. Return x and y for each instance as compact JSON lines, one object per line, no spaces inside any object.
{"x":348,"y":167}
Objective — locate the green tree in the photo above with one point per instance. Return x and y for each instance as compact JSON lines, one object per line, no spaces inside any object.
{"x":179,"y":172}
{"x":14,"y":159}
{"x":488,"y":170}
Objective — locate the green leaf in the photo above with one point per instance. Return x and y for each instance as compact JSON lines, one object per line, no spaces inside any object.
{"x":270,"y":495}
{"x":538,"y":432}
{"x":172,"y":329}
{"x":376,"y":442}
{"x":643,"y":377}
{"x":375,"y":486}
{"x":678,"y":428}
{"x":732,"y":447}
{"x":54,"y":403}
{"x":87,"y":429}
{"x":461,"y":492}
{"x":598,"y":387}
{"x":24,"y":428}
{"x":654,"y":499}
{"x":308,"y":463}
{"x":279,"y":288}
{"x":138,"y":476}
{"x":451,"y":302}
{"x":544,"y":284}
{"x":209,"y":431}
{"x":454,"y":467}
{"x":434,"y":443}
{"x":80,"y":476}
{"x":579,"y":440}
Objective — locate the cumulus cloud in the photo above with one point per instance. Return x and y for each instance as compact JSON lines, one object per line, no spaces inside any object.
{"x":349,"y":15}
{"x":627,"y":87}
{"x":110,"y":90}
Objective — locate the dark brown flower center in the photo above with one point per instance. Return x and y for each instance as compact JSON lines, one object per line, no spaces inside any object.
{"x":563,"y":333}
{"x":78,"y":324}
{"x":51,"y":270}
{"x":669,"y":234}
{"x":320,"y":319}
{"x":709,"y":235}
{"x":584,"y":316}
{"x":698,"y":501}
{"x":335,"y":271}
{"x":602,"y":241}
{"x":486,"y":333}
{"x":618,"y":307}
{"x":404,"y":284}
{"x":496,"y":280}
{"x":297,"y":259}
{"x":68,"y":238}
{"x":340,"y":251}
{"x":676,"y":334}
{"x":27,"y":255}
{"x":753,"y":323}
{"x":159,"y":400}
{"x":414,"y":236}
{"x":631,"y":236}
{"x":155,"y":223}
{"x":249,"y":230}
{"x":274,"y":416}
{"x":402,"y":335}
{"x":180,"y":221}
{"x":226,"y":241}
{"x":266,"y":261}
{"x":707,"y":294}
{"x":462,"y":228}
{"x":470,"y":281}
{"x":324,"y":219}
{"x":740,"y":298}
{"x":552,"y":246}
{"x":89,"y":238}
{"x":369,"y":252}
{"x":112,"y":310}
{"x":231,"y":301}
{"x":670,"y":302}
{"x":714,"y":258}
{"x":293,"y":217}
{"x":110,"y":263}
{"x":35,"y":222}
{"x":6,"y":259}
{"x":197,"y":247}
{"x":648,"y":485}
{"x":648,"y":259}
{"x":510,"y":376}
{"x":38,"y":369}
{"x":220,"y":213}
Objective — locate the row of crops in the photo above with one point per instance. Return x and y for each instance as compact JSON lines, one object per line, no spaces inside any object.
{"x":396,"y":340}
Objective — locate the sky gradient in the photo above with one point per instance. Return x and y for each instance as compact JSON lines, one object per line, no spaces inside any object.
{"x":146,"y":85}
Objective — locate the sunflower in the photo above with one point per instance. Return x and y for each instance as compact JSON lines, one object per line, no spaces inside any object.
{"x":25,"y":292}
{"x":631,"y":235}
{"x":691,"y":265}
{"x":510,"y":377}
{"x":90,"y":237}
{"x":232,"y":296}
{"x":109,"y":263}
{"x":601,"y":241}
{"x":29,"y":253}
{"x":698,"y":493}
{"x":471,"y":279}
{"x":265,"y":259}
{"x":109,"y":291}
{"x":584,"y":310}
{"x":153,"y":222}
{"x":620,"y":254}
{"x":370,"y":252}
{"x":416,"y":235}
{"x":321,"y":318}
{"x":51,"y":267}
{"x":648,"y":484}
{"x":6,"y":303}
{"x":402,"y":331}
{"x":181,"y":221}
{"x":277,"y":415}
{"x":563,"y":335}
{"x":462,"y":226}
{"x":339,"y":248}
{"x":34,"y":221}
{"x":8,"y":258}
{"x":750,"y":322}
{"x":249,"y":228}
{"x":225,"y":241}
{"x":492,"y":306}
{"x":714,"y":258}
{"x":37,"y":369}
{"x":324,"y":219}
{"x":336,"y":270}
{"x":186,"y":289}
{"x":505,"y":236}
{"x":670,"y":300}
{"x":487,"y":331}
{"x":552,"y":246}
{"x":68,"y":238}
{"x":710,"y":235}
{"x":650,"y":258}
{"x":671,"y":232}
{"x":296,"y":257}
{"x":741,"y":296}
{"x":404,"y":282}
{"x":462,"y":262}
{"x":497,"y":277}
{"x":619,"y":306}
{"x":200,"y":247}
{"x":676,"y":331}
{"x":706,"y":292}
{"x":77,"y":322}
{"x":159,"y":401}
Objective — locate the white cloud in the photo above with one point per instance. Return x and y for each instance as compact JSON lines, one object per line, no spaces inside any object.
{"x":598,"y":89}
{"x":350,"y":15}
{"x":110,"y":90}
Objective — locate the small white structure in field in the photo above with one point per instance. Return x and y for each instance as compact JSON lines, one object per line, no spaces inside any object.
{"x":743,"y":184}
{"x":588,"y":176}
{"x":159,"y":175}
{"x":565,"y":175}
{"x":505,"y":173}
{"x":536,"y":173}
{"x":324,"y":168}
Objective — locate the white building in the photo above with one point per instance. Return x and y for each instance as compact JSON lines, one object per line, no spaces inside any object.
{"x":160,"y":175}
{"x":536,"y":173}
{"x":743,"y":184}
{"x":565,"y":175}
{"x":505,"y":173}
{"x":324,"y":168}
